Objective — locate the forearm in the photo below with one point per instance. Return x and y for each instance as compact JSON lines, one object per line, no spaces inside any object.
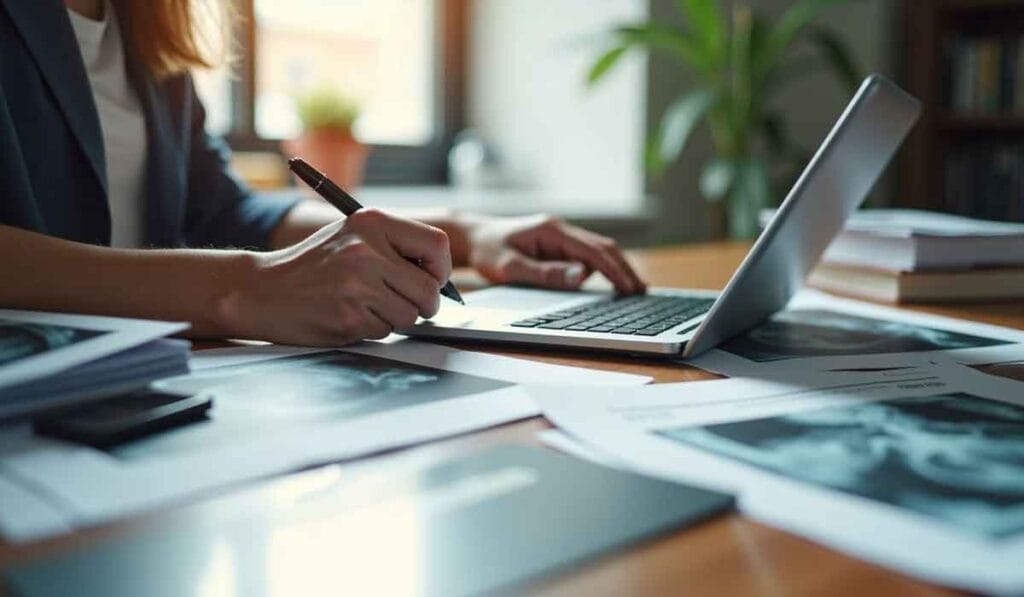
{"x":311,"y":215}
{"x":49,"y":274}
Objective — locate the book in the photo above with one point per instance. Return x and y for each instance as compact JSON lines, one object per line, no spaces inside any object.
{"x":912,"y":240}
{"x":920,"y":287}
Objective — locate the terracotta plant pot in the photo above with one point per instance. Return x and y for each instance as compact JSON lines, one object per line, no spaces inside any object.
{"x":335,"y":152}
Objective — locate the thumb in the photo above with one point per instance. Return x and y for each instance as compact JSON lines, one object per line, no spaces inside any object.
{"x":563,"y":275}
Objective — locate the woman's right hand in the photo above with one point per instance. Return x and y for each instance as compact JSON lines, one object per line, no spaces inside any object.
{"x":349,"y":281}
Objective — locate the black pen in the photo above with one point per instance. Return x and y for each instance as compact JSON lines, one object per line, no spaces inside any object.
{"x":346,"y":204}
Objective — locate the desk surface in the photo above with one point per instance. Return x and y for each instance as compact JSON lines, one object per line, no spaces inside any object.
{"x":728,"y":556}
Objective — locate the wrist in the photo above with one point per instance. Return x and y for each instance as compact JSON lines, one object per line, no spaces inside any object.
{"x":461,"y":236}
{"x":234,"y":286}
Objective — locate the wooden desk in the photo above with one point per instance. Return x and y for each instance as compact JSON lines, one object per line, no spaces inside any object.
{"x":731,"y":555}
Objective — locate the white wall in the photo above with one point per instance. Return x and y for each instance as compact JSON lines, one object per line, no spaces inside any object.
{"x":581,"y":149}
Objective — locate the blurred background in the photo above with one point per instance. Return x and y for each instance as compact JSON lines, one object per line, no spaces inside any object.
{"x":649,"y":120}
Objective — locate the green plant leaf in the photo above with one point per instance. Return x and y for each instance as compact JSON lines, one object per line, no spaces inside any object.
{"x":789,"y":25}
{"x":674,"y":41}
{"x":742,"y":68}
{"x":605,"y":63}
{"x":837,"y":55}
{"x":708,"y":24}
{"x":652,"y":158}
{"x":679,"y":121}
{"x":717,"y":179}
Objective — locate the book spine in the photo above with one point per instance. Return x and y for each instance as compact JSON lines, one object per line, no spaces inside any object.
{"x":1007,"y":67}
{"x":985,"y":178}
{"x":970,"y":76}
{"x":1018,"y":103}
{"x":988,"y":76}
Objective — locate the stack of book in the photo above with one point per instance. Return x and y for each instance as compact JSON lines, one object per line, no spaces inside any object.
{"x":901,"y":256}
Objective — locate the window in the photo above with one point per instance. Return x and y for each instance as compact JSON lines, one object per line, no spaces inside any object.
{"x":399,"y":60}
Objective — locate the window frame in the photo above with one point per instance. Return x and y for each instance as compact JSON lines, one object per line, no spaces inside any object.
{"x":387,"y":164}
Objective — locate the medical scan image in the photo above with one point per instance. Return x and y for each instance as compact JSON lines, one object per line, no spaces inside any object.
{"x":956,"y":458}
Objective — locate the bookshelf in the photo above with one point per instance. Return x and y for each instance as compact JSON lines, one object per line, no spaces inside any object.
{"x":965,"y":60}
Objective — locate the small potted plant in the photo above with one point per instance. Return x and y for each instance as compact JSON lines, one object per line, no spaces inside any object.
{"x":327,"y":142}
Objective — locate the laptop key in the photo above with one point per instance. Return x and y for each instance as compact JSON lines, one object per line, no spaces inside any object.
{"x":561,"y":324}
{"x":624,"y":331}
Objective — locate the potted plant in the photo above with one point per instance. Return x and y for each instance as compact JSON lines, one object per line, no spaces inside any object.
{"x":738,"y":65}
{"x":327,"y":141}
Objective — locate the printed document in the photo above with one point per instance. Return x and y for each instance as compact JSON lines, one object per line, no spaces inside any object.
{"x":820,"y":332}
{"x":921,"y":470}
{"x":294,"y":409}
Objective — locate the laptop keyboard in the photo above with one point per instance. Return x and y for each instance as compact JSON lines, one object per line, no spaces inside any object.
{"x":646,"y":315}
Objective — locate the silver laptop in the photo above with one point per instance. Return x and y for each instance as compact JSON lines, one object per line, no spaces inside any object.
{"x":689,"y":322}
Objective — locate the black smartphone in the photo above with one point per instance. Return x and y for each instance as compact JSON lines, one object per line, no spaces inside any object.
{"x":124,"y":418}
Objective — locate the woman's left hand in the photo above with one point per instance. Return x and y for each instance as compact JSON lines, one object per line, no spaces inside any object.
{"x":545,"y":251}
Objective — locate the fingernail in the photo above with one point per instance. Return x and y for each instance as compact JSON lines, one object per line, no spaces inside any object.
{"x":573,"y":273}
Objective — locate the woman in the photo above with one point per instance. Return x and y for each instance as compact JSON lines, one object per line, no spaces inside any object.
{"x":103,"y":152}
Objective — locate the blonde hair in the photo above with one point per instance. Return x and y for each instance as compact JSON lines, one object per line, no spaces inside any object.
{"x":173,"y":36}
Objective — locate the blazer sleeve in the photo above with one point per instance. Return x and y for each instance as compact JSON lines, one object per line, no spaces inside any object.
{"x":220,"y":209}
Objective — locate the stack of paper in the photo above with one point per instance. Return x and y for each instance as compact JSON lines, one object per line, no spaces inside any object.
{"x":49,"y":360}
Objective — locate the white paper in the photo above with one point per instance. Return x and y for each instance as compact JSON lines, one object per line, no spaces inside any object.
{"x":563,"y":442}
{"x":78,"y":339}
{"x":26,"y":515}
{"x":940,"y":538}
{"x":863,"y":336}
{"x":93,"y":486}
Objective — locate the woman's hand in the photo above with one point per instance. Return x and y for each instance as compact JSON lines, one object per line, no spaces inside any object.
{"x":348,"y":281}
{"x":545,"y":251}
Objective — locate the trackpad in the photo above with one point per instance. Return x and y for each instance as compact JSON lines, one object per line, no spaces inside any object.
{"x":500,"y":305}
{"x":456,"y":316}
{"x":521,"y":299}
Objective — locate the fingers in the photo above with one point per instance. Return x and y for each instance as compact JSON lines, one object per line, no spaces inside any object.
{"x":374,"y":326}
{"x":595,"y":251}
{"x":416,"y":290}
{"x":414,"y":285}
{"x":639,"y":285}
{"x":561,"y":275}
{"x":354,"y":320}
{"x":407,"y":239}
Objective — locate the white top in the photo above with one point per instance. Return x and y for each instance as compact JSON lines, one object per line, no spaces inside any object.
{"x":122,"y":121}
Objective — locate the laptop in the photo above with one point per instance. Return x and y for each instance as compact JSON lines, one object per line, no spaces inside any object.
{"x":675,"y":322}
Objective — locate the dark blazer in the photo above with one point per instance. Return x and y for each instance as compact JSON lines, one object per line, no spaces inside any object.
{"x":52,"y":165}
